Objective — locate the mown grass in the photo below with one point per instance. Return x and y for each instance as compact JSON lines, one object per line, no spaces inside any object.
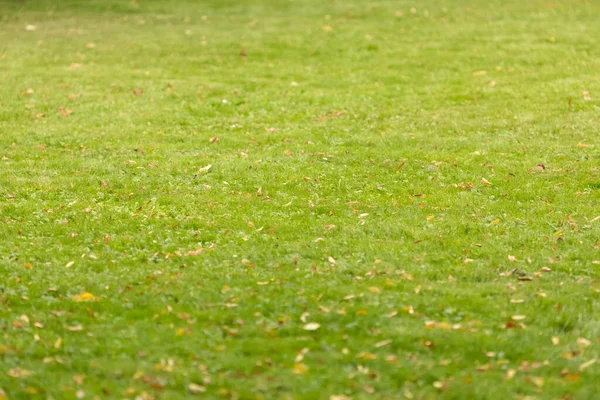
{"x":419,"y":179}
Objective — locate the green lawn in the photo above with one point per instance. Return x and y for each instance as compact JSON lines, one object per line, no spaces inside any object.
{"x":334,"y":199}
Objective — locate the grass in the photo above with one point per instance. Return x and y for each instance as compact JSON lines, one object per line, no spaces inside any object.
{"x":420,"y":179}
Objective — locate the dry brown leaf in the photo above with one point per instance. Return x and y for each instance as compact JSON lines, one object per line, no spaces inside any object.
{"x":300,"y":369}
{"x":194,"y":252}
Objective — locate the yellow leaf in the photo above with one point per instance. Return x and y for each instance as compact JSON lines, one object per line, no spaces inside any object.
{"x":83,"y":297}
{"x":374,"y":289}
{"x":571,"y":377}
{"x":365,"y":355}
{"x":179,"y":332}
{"x":300,"y":369}
{"x":138,"y":374}
{"x":444,"y":325}
{"x":58,"y":343}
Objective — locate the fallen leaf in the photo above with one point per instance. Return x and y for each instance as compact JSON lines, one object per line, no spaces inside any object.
{"x":300,"y":369}
{"x":518,"y":317}
{"x":84,"y":297}
{"x":583,"y":342}
{"x":365,"y":355}
{"x":312,"y":326}
{"x":484,"y":367}
{"x":137,"y":92}
{"x":327,"y":228}
{"x":571,"y":377}
{"x":512,"y":258}
{"x":196,"y":252}
{"x":510,"y":373}
{"x":485,"y":182}
{"x":587,"y":364}
{"x":537,"y":381}
{"x":19,"y":373}
{"x":194,"y":388}
{"x":64,"y":111}
{"x":75,"y":328}
{"x":383,"y":343}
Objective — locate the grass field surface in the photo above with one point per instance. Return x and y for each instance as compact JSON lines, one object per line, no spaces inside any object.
{"x":299,"y":199}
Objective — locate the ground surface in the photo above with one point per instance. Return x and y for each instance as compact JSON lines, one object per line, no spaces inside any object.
{"x":402,"y":199}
